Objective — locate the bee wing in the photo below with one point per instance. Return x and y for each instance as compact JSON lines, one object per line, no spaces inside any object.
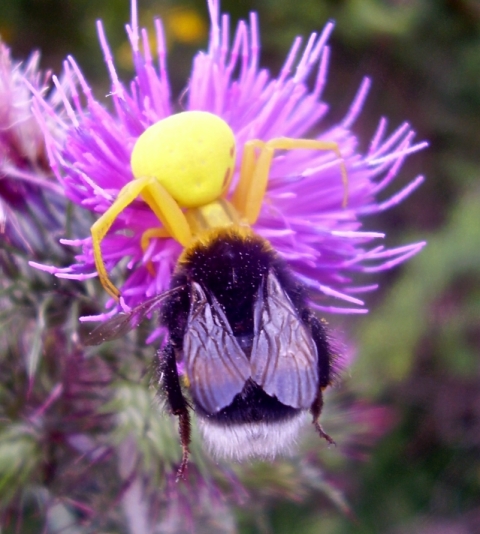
{"x":122,"y":323}
{"x":216,"y":365}
{"x":284,"y":357}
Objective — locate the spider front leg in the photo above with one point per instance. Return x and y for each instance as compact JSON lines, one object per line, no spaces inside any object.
{"x":254,"y":172}
{"x":160,"y":202}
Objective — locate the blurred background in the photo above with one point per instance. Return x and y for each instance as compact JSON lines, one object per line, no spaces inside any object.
{"x":417,"y":352}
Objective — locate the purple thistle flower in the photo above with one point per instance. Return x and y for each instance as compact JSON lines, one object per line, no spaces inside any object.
{"x":21,"y":139}
{"x":31,"y":202}
{"x":302,"y":215}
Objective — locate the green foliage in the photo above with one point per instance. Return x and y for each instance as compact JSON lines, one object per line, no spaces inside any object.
{"x":389,"y":353}
{"x":20,"y":457}
{"x":139,"y":417}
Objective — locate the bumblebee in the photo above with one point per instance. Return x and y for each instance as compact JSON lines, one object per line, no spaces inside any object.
{"x":255,"y":356}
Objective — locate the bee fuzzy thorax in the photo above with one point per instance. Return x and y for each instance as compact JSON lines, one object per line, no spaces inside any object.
{"x":213,"y":242}
{"x":229,"y":263}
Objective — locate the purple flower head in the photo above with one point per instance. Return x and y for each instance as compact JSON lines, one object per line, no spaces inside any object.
{"x":302,"y":215}
{"x":21,"y":139}
{"x":29,"y":194}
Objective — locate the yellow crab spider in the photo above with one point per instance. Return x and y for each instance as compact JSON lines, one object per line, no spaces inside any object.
{"x":182,"y":168}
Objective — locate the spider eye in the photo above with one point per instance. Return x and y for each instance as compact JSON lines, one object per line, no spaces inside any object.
{"x":191,"y":154}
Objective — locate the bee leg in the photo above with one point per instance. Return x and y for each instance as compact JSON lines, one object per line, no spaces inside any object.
{"x":316,"y":410}
{"x":176,"y":400}
{"x":320,"y":338}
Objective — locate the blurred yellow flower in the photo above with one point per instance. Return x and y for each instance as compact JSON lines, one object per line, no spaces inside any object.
{"x":182,"y":25}
{"x":186,"y":26}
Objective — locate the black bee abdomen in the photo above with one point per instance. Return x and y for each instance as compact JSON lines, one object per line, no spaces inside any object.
{"x":252,"y":405}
